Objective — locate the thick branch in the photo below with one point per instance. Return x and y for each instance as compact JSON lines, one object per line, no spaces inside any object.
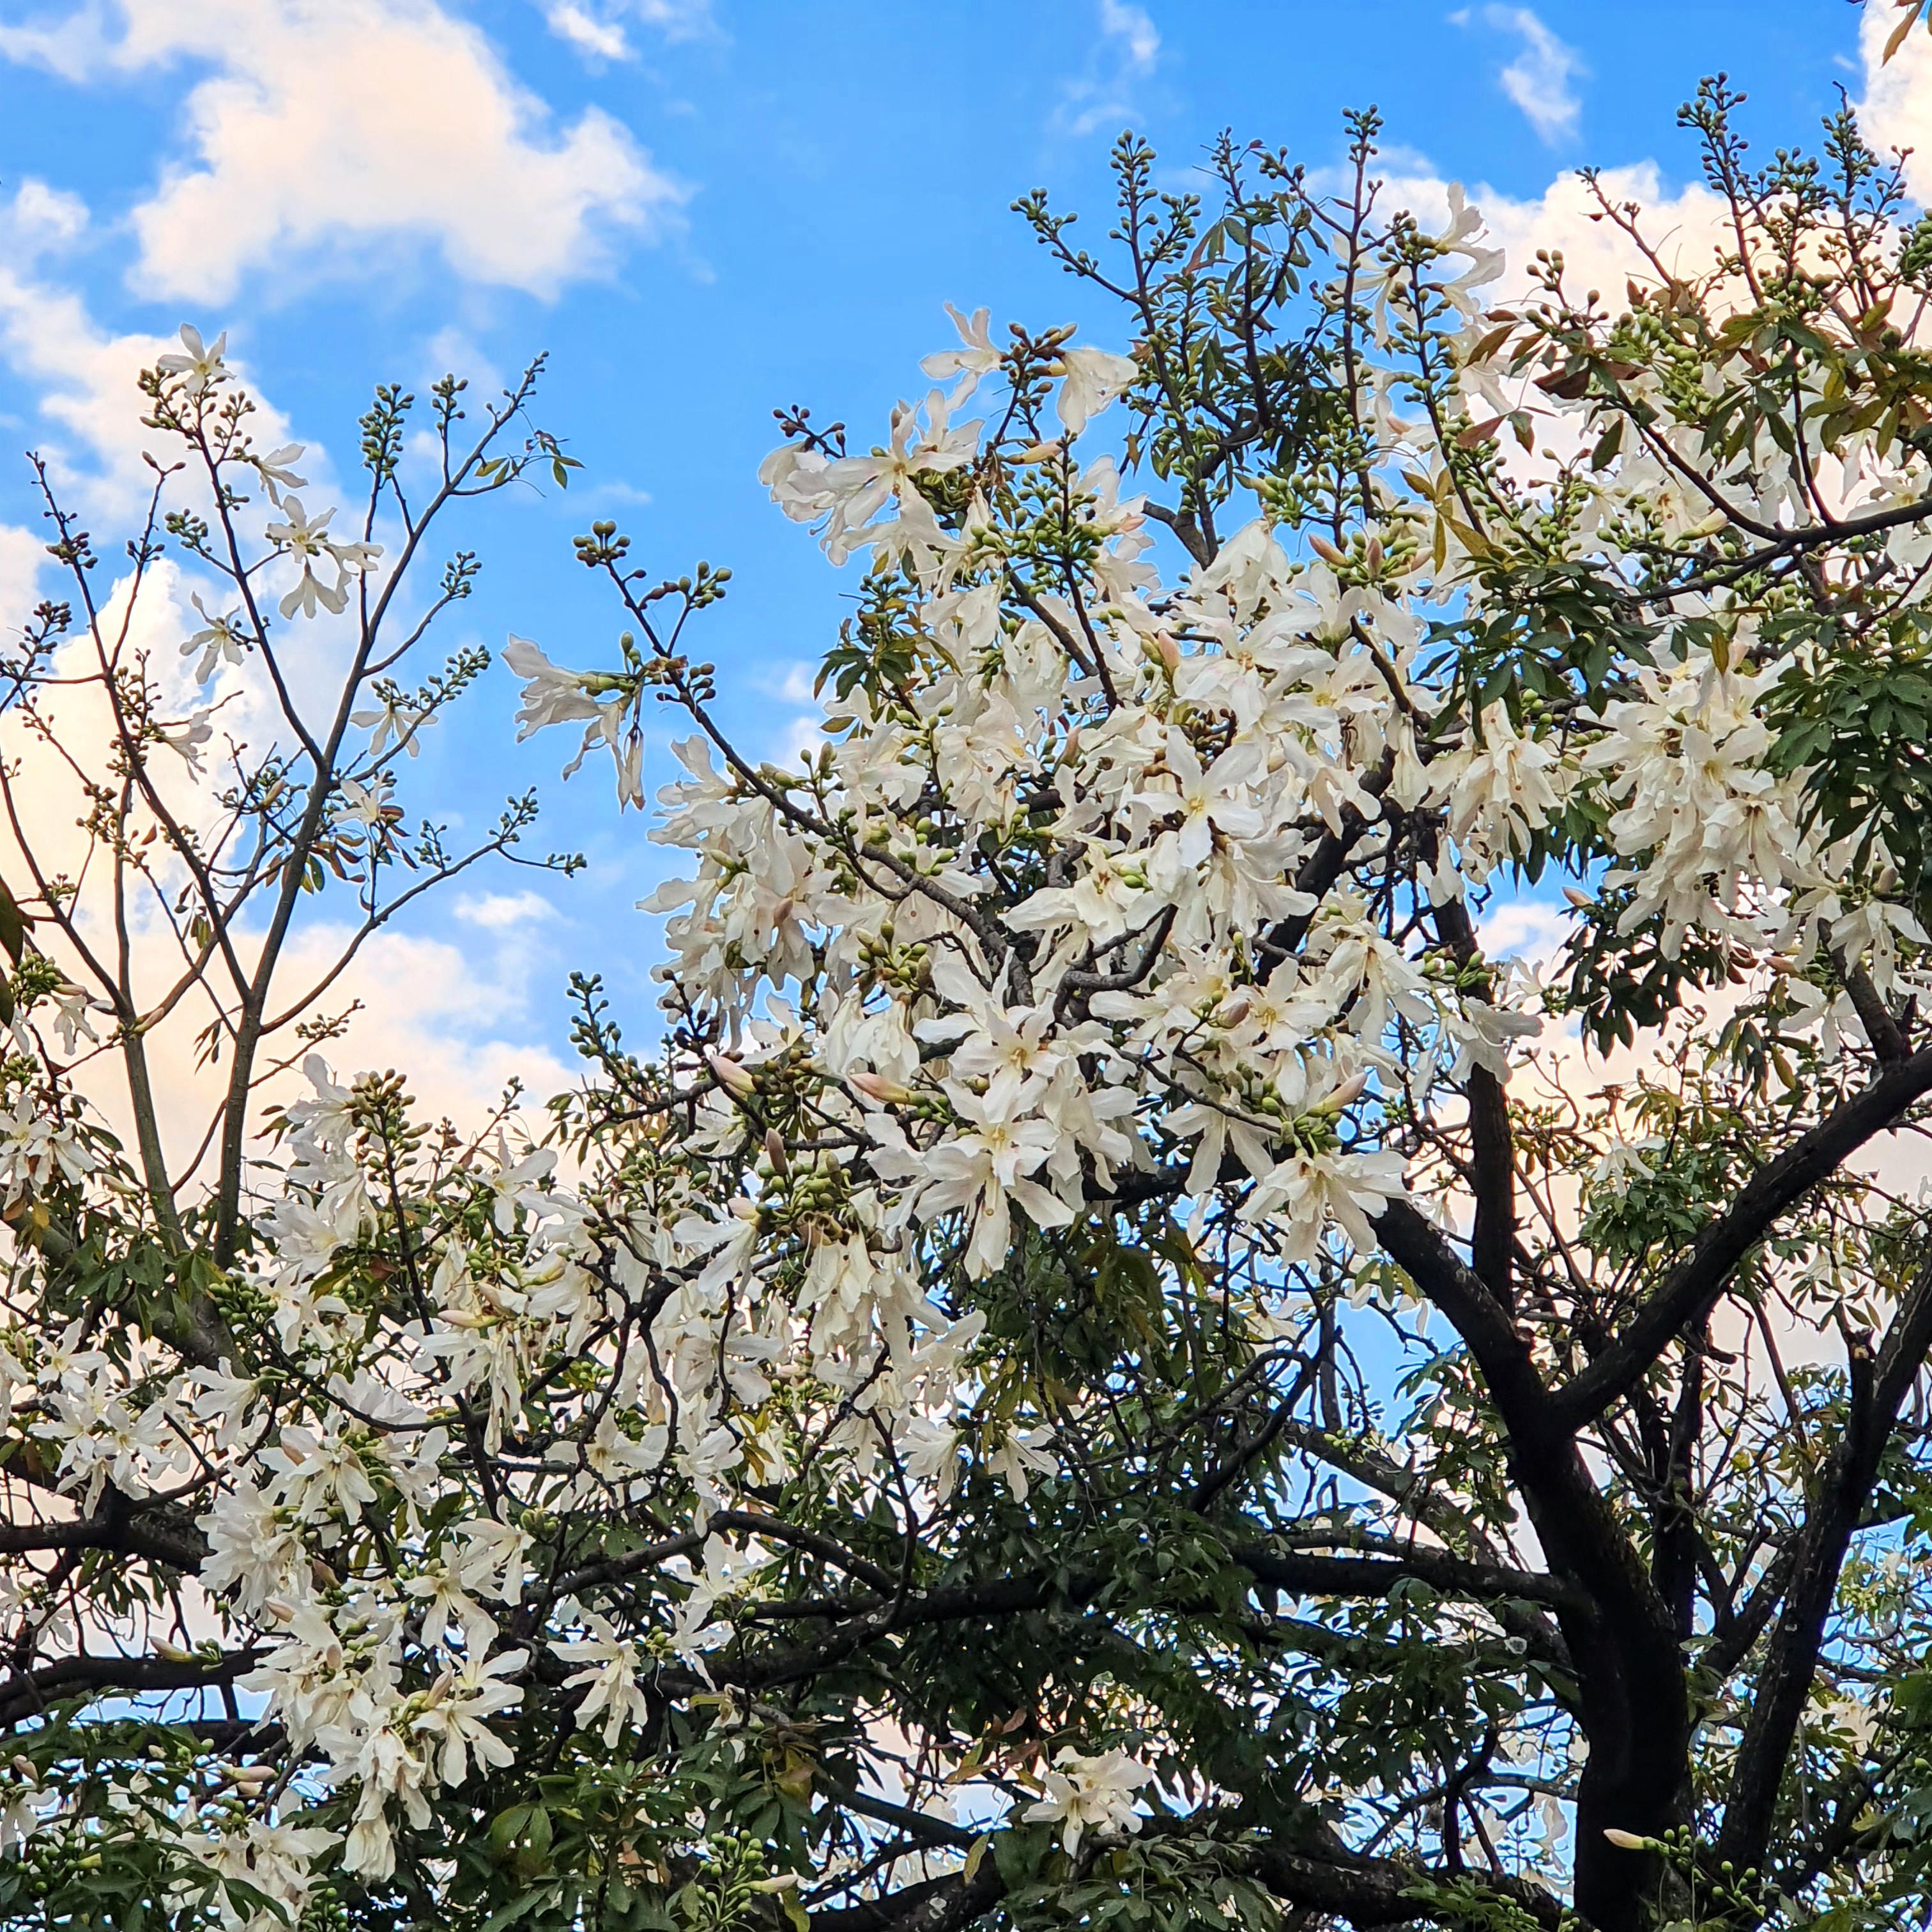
{"x":1371,"y":1892}
{"x":1692,"y":1287}
{"x":1307,"y":1573}
{"x":1478,"y":1316}
{"x":1491,"y":1141}
{"x":1791,"y":1659}
{"x":28,"y":1694}
{"x":937,"y":1905}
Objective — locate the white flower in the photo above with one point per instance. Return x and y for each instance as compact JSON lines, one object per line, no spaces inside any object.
{"x":976,"y":358}
{"x":1504,"y":788}
{"x":454,"y":1720}
{"x":319,"y":1471}
{"x":71,"y":1022}
{"x":1213,"y":800}
{"x":1303,"y":1191}
{"x":1095,"y":379}
{"x":225,"y":1400}
{"x":307,"y":542}
{"x":493,"y":1557}
{"x":930,"y":1450}
{"x":274,"y":468}
{"x":985,"y":1168}
{"x":23,"y":1807}
{"x":1623,"y":1162}
{"x":201,"y":367}
{"x":1090,"y":1792}
{"x":188,"y":737}
{"x":368,"y":805}
{"x":220,"y":639}
{"x":275,"y":1859}
{"x":439,"y":1587}
{"x":552,"y":695}
{"x":393,"y":722}
{"x":849,"y":490}
{"x":252,"y":1550}
{"x":607,"y":1673}
{"x":37,"y":1142}
{"x":386,"y":1767}
{"x":1019,"y":1454}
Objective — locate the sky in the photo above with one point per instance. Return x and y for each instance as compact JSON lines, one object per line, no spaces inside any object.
{"x":703,"y":210}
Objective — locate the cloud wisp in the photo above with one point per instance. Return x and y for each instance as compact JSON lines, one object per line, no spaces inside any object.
{"x":596,"y":28}
{"x":1539,"y":80}
{"x":1126,"y":50}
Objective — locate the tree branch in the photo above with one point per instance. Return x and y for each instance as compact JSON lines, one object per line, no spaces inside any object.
{"x":1692,"y":1289}
{"x":1791,"y":1658}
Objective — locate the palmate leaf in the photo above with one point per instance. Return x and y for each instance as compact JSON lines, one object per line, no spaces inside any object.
{"x":1618,"y":982}
{"x":1857,"y":721}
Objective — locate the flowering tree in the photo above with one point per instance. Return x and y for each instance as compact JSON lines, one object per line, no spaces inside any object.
{"x":1116,"y":1361}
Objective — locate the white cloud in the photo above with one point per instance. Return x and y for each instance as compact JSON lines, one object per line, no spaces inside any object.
{"x":1525,"y":928}
{"x":504,"y":912}
{"x":80,"y":377}
{"x":1130,"y":26}
{"x":84,"y":380}
{"x":458,"y":1029}
{"x":603,"y":39}
{"x":802,"y":734}
{"x":42,"y":218}
{"x":453,"y":352}
{"x":793,"y":683}
{"x":1686,"y":230}
{"x":1897,"y":110}
{"x":614,"y":490}
{"x":1125,"y":50}
{"x":597,"y":31}
{"x":456,"y":1018}
{"x":21,"y":556}
{"x":1685,"y":227}
{"x":1538,"y":79}
{"x":329,"y":127}
{"x":63,"y":46}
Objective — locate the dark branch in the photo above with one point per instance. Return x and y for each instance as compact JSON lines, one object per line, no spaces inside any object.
{"x":1692,"y":1289}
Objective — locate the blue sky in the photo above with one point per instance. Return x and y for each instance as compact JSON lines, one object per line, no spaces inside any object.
{"x":702,"y":212}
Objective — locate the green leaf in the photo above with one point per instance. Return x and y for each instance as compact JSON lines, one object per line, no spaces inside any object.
{"x":518,"y":1909}
{"x":13,"y":924}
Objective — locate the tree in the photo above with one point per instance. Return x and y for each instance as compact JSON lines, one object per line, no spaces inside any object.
{"x":1110,"y":1363}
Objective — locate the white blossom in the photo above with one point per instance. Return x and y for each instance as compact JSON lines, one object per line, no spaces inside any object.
{"x":1089,"y":1793}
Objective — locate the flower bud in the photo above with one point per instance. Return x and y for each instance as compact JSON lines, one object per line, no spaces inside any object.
{"x":734,"y":1079}
{"x":877,"y":1087}
{"x":1351,"y":1089}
